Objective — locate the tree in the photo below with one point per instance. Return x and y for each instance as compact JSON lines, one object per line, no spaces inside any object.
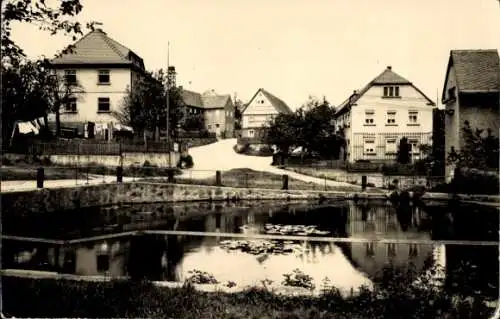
{"x":144,"y":107}
{"x":238,"y":108}
{"x":49,"y":18}
{"x":403,"y":156}
{"x":479,"y":150}
{"x":310,"y":127}
{"x":192,"y":122}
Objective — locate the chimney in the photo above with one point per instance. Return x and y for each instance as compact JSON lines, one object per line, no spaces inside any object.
{"x":389,"y":67}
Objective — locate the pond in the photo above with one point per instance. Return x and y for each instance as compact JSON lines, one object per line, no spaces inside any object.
{"x":344,"y":244}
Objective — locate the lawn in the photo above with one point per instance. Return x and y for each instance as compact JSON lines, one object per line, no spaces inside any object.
{"x":248,"y":178}
{"x":26,"y":297}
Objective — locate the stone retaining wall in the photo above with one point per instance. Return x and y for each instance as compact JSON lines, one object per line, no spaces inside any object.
{"x":55,"y":199}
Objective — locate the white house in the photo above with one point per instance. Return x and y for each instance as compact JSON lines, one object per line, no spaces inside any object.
{"x":375,"y":118}
{"x":104,"y":70}
{"x":258,"y":113}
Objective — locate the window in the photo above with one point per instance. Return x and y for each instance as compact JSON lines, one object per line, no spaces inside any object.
{"x":209,"y":126}
{"x":413,"y":251}
{"x":70,"y":76}
{"x":413,"y":143}
{"x":391,"y":91}
{"x":103,"y":105}
{"x":102,"y":262}
{"x":217,"y":125}
{"x":370,"y":147}
{"x":70,"y":106}
{"x":251,"y":133}
{"x":370,"y":249}
{"x":391,"y":146}
{"x":103,"y":77}
{"x":413,"y":117}
{"x":369,"y":118}
{"x":391,"y":117}
{"x":391,"y":250}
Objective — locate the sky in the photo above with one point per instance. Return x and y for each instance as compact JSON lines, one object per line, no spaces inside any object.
{"x":292,"y":48}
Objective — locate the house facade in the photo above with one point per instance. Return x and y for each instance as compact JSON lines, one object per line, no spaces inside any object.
{"x":471,"y":93}
{"x":375,"y":119}
{"x":218,"y":111}
{"x":262,"y":108}
{"x":104,"y":70}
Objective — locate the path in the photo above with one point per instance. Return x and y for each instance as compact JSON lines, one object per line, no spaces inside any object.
{"x":221,"y":156}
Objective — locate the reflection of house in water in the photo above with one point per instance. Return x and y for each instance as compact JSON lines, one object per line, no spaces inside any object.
{"x":383,"y":222}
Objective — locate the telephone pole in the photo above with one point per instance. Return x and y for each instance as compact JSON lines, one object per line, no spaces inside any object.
{"x":168,"y":108}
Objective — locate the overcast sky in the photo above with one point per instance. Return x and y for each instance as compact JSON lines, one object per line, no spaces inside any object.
{"x":292,"y":48}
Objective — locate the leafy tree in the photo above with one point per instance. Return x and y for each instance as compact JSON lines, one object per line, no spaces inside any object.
{"x":479,"y":150}
{"x":144,"y":107}
{"x":403,"y":156}
{"x":238,"y":108}
{"x":50,"y":18}
{"x":310,"y":127}
{"x":192,"y":122}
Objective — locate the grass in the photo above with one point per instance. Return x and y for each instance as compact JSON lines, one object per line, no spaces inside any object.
{"x":394,"y":298}
{"x":248,"y":178}
{"x":24,"y":172}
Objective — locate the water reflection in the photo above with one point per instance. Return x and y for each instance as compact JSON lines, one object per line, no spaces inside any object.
{"x":347,"y":265}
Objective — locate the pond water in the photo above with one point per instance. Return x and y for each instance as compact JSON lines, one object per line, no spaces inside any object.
{"x":251,"y":243}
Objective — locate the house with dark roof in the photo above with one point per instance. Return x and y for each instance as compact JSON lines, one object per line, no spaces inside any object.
{"x":258,"y":112}
{"x":471,"y":92}
{"x":375,"y":118}
{"x":217,"y":109}
{"x":104,"y":70}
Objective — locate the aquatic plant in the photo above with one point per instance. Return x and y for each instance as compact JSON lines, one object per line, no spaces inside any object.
{"x":298,"y":279}
{"x":201,"y":277}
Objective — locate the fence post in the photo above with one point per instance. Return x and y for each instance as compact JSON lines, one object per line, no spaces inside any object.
{"x":170,"y":175}
{"x":218,"y":178}
{"x":363,"y":182}
{"x":285,"y":181}
{"x":40,"y":175}
{"x":119,"y":174}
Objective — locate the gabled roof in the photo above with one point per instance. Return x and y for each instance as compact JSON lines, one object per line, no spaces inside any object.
{"x":276,"y":102}
{"x":387,"y":77}
{"x":191,"y":98}
{"x":97,"y":48}
{"x":215,"y":101}
{"x":476,"y":71}
{"x":205,"y":101}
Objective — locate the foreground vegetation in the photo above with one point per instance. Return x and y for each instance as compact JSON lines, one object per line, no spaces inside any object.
{"x":396,"y":298}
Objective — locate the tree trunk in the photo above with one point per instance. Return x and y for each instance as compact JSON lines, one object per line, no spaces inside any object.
{"x":58,"y":123}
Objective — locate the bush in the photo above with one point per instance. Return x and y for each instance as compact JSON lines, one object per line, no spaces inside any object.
{"x":474,"y":181}
{"x":186,"y":161}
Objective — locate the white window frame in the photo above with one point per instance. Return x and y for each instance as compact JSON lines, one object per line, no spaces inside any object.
{"x":412,"y":114}
{"x":100,"y":101}
{"x":390,"y":141}
{"x":70,"y":73}
{"x":414,"y":144}
{"x":71,"y":106}
{"x":391,"y":118}
{"x":103,"y":73}
{"x":372,"y":150}
{"x":369,"y":117}
{"x":251,"y":133}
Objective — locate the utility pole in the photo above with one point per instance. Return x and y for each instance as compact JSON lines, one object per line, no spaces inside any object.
{"x":168,"y":108}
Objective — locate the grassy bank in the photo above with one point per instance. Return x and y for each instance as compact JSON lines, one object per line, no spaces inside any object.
{"x":24,"y":297}
{"x":248,"y":178}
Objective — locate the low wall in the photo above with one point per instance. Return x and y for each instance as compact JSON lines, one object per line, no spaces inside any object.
{"x":55,"y":199}
{"x":129,"y":159}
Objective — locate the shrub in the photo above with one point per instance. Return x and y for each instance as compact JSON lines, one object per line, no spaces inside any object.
{"x":403,"y":156}
{"x":186,"y":161}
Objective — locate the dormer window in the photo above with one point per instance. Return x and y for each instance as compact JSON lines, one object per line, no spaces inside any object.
{"x":391,"y":91}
